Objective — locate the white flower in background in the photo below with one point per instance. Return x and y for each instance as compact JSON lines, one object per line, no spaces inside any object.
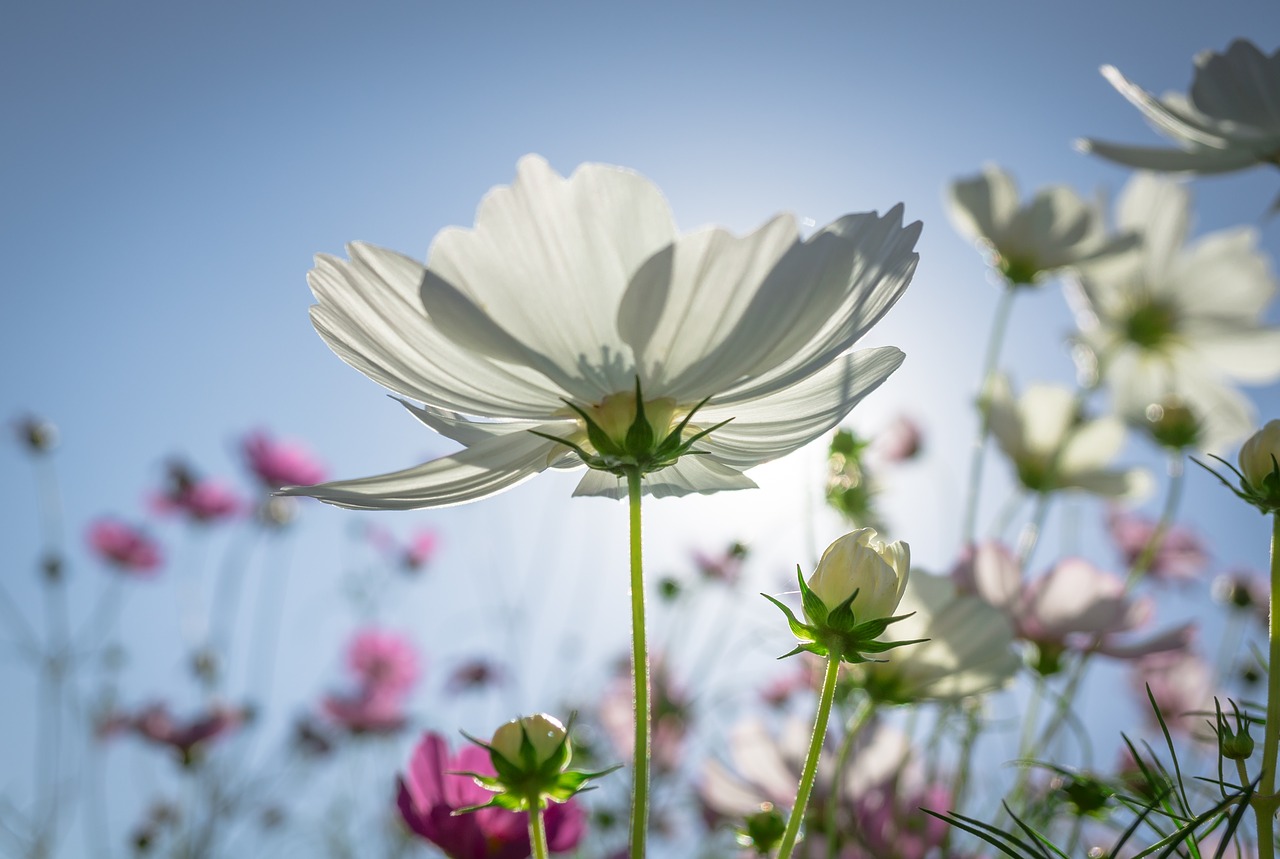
{"x":1229,"y":120}
{"x":574,"y":291}
{"x":1052,"y":446}
{"x":1169,"y":321}
{"x":969,"y":649}
{"x":1027,"y":243}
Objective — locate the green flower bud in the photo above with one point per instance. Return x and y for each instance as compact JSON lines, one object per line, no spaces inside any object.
{"x":1234,"y":745}
{"x":546,"y":740}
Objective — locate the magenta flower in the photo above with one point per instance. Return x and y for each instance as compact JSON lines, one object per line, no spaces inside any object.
{"x":280,"y":463}
{"x":125,"y":548}
{"x":430,"y":791}
{"x":188,"y":739}
{"x":892,"y":826}
{"x":383,"y":662}
{"x":421,"y":549}
{"x":1179,"y":556}
{"x":671,"y":714}
{"x":199,"y":499}
{"x":723,"y":567}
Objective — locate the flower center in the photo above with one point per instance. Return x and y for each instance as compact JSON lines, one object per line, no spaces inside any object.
{"x":1151,"y":325}
{"x":616,"y":413}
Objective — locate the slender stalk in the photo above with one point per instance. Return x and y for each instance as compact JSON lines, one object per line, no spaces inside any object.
{"x":866,"y":708}
{"x":1265,"y":801}
{"x":640,"y":677}
{"x":538,"y":833}
{"x":989,"y":363}
{"x":815,"y":751}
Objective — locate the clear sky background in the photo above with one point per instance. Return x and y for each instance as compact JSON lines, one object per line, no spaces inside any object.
{"x":168,"y":170}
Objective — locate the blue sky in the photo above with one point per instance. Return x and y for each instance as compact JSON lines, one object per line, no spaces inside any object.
{"x":169,"y":170}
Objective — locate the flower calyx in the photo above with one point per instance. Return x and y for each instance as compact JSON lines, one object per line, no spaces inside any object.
{"x":1234,"y":745}
{"x":837,"y":633}
{"x":642,"y":447}
{"x":530,"y":757}
{"x":1259,"y":471}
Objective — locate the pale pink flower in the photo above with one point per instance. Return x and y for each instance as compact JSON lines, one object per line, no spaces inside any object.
{"x":368,"y":711}
{"x":475,"y":674}
{"x":199,"y":499}
{"x":1180,"y":555}
{"x":725,"y":566}
{"x":280,"y":463}
{"x":892,"y":826}
{"x":422,"y":547}
{"x":156,"y":724}
{"x":1181,"y":682}
{"x":901,"y":441}
{"x":383,"y":661}
{"x":126,"y":548}
{"x":1074,"y":606}
{"x":671,"y":715}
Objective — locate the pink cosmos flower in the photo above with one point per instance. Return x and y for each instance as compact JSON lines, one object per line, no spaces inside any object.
{"x":155,"y":724}
{"x":368,"y":711}
{"x":420,"y":550}
{"x":383,"y":662}
{"x":125,"y":548}
{"x":1179,"y":556}
{"x":280,"y":463}
{"x":430,"y":791}
{"x":197,"y":498}
{"x":892,"y":826}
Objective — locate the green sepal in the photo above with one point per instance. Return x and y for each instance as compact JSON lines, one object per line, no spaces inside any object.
{"x":815,"y":647}
{"x":640,"y":433}
{"x":798,"y":629}
{"x":815,"y":610}
{"x":885,"y":646}
{"x":1266,"y":497}
{"x":875,"y":628}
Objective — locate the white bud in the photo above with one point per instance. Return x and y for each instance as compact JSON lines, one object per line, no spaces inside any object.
{"x":545,"y":735}
{"x":861,"y":561}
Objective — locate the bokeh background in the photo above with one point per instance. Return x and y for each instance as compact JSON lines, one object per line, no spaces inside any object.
{"x":168,"y":170}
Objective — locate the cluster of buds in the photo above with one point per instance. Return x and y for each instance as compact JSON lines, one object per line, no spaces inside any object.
{"x":531,"y":757}
{"x":849,"y":600}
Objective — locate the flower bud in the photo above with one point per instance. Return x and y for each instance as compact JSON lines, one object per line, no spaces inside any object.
{"x":1258,"y":465}
{"x":860,"y":561}
{"x":546,"y":740}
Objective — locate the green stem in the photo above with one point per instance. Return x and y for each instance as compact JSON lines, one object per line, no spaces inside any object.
{"x":538,"y":833}
{"x":860,"y":717}
{"x":994,"y":342}
{"x":640,"y":675}
{"x":1265,"y":801}
{"x":815,"y":752}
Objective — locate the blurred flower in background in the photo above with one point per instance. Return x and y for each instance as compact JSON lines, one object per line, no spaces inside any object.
{"x":125,"y":548}
{"x":200,"y":499}
{"x":279,"y":463}
{"x":1179,"y":555}
{"x":1228,"y":121}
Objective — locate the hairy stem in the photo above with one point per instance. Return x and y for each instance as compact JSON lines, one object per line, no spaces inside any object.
{"x":640,"y":676}
{"x":815,"y":751}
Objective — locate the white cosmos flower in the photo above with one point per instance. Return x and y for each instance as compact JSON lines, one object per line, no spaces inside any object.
{"x":1026,"y":243}
{"x":572,"y":290}
{"x":1170,"y":321}
{"x":1052,"y":446}
{"x":1229,"y":120}
{"x":969,"y":647}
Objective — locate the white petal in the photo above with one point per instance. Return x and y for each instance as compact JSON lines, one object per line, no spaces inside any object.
{"x":1159,"y":210}
{"x":467,"y":431}
{"x":1224,"y":275}
{"x":479,"y":471}
{"x":822,"y":297}
{"x":775,"y":425}
{"x":571,"y":245}
{"x":1204,"y":161}
{"x":370,"y":315}
{"x":982,"y":206}
{"x":1046,"y":412}
{"x":1165,"y":118}
{"x":1250,"y":355}
{"x":1054,"y":230}
{"x":688,"y":299}
{"x":1002,"y":416}
{"x":1132,"y":484}
{"x":1242,"y":85}
{"x":1090,"y":445}
{"x":692,"y":473}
